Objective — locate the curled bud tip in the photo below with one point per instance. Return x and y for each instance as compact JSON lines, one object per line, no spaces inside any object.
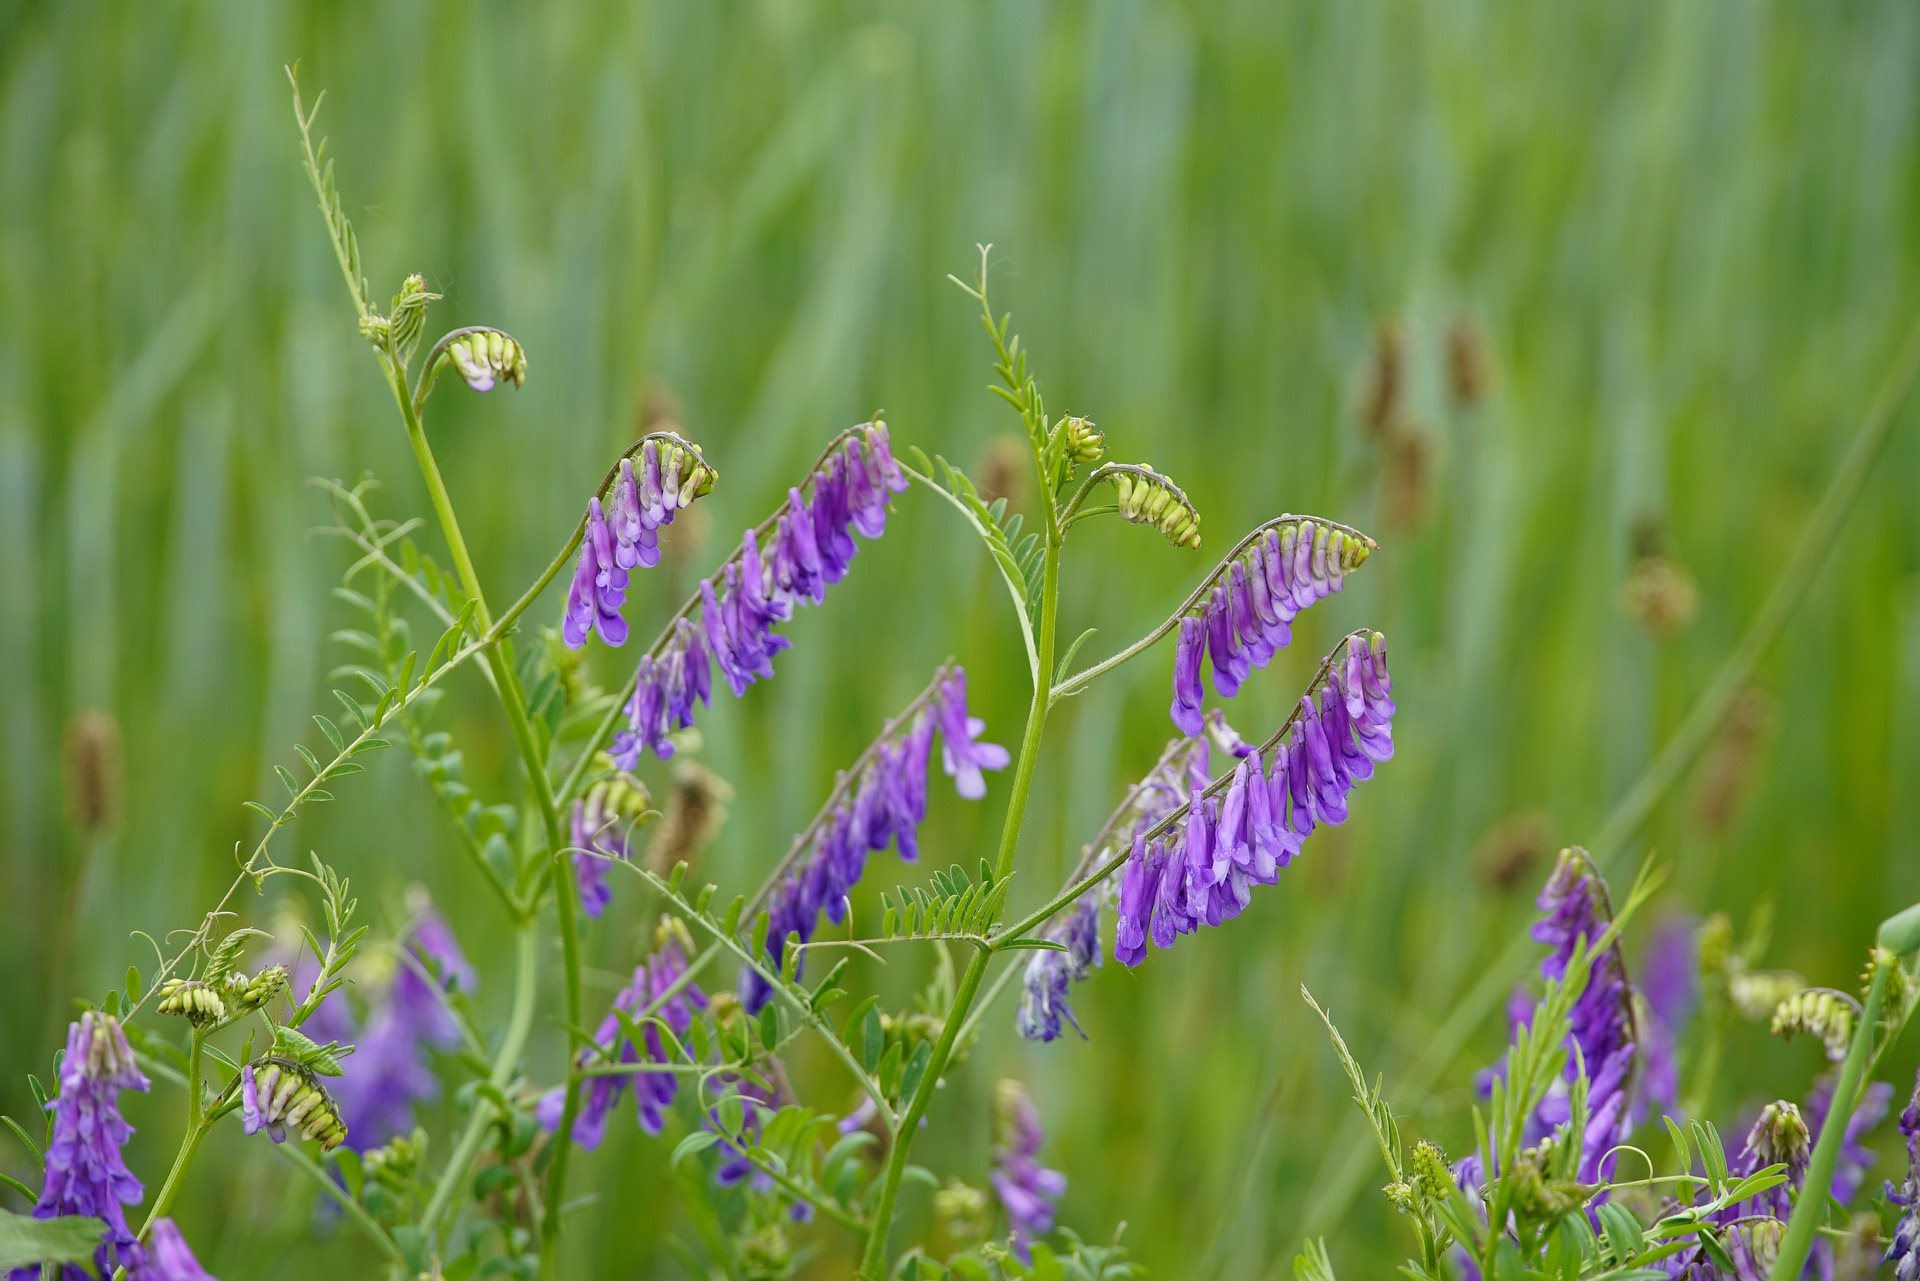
{"x":1145,"y":497}
{"x":485,"y":357}
{"x":199,"y":1003}
{"x":1085,"y":442}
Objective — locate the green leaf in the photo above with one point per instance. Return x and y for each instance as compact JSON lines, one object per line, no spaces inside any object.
{"x":874,"y":1042}
{"x":916,"y":1068}
{"x":25,"y":1241}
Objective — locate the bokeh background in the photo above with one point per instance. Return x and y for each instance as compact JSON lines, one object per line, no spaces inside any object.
{"x":1574,"y":307}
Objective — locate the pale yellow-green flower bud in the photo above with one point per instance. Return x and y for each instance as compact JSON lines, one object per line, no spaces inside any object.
{"x":196,"y":1002}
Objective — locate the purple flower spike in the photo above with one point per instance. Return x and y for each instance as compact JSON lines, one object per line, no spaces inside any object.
{"x":881,"y":803}
{"x":653,"y":981}
{"x":1904,"y":1250}
{"x":603,"y":824}
{"x":166,"y":1257}
{"x":1239,"y":832}
{"x":625,"y":532}
{"x":1247,"y":617}
{"x":1027,"y":1190}
{"x":731,"y":625}
{"x":85,"y":1171}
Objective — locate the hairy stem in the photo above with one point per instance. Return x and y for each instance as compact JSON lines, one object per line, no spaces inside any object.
{"x":513,"y":700}
{"x":519,"y":1023}
{"x":874,"y":1260}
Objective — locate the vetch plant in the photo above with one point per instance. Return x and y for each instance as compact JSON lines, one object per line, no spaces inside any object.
{"x":327,"y":1041}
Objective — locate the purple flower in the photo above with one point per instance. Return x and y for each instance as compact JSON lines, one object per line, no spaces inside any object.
{"x":278,"y":1095}
{"x":1248,"y":617}
{"x":1201,"y":863}
{"x":389,"y":1072}
{"x":1026,"y":1189}
{"x":811,"y":548}
{"x":962,"y":755}
{"x":1574,"y":908}
{"x":85,"y":1171}
{"x":881,"y":802}
{"x":1669,"y":980}
{"x":166,"y":1257}
{"x":626,"y":532}
{"x":1043,"y":1000}
{"x":603,"y":824}
{"x":657,"y":986}
{"x":1904,"y":1250}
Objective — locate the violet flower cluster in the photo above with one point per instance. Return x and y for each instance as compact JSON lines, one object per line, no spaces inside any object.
{"x":1903,"y":1252}
{"x":626,"y":533}
{"x":390,"y":1073}
{"x":660,"y":981}
{"x":1248,"y":618}
{"x":604,"y":820}
{"x":882,"y":804}
{"x":165,"y":1257}
{"x":85,"y":1170}
{"x":1202,"y":870}
{"x":1574,"y":908}
{"x":811,"y":547}
{"x":1027,"y":1190}
{"x":1046,"y":983}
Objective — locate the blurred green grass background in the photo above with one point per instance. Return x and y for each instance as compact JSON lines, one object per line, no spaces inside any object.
{"x":1682,"y":239}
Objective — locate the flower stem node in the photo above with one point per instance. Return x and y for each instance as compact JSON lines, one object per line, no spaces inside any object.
{"x":197,"y":1002}
{"x":1146,"y":497}
{"x":279,"y":1095}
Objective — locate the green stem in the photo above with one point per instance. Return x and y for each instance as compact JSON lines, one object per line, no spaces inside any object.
{"x":353,"y":1209}
{"x":513,"y":699}
{"x":1797,"y":574}
{"x":873,"y":1260}
{"x":519,"y":1025}
{"x":197,"y":1127}
{"x":1810,"y":1209}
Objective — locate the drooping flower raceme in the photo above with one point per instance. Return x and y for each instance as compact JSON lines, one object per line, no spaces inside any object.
{"x":881,"y":802}
{"x":279,"y":1095}
{"x":1027,"y":1190}
{"x":1202,"y":867}
{"x":1044,"y":1004}
{"x":625,"y":532}
{"x":166,"y":1257}
{"x":1903,"y":1252}
{"x":389,"y":1072}
{"x":604,"y":819}
{"x":809,"y":547}
{"x":660,"y":981}
{"x":1574,"y":908}
{"x":85,"y":1171}
{"x":1248,"y":617}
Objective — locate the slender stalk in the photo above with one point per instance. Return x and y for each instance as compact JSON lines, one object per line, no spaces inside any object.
{"x":1810,"y":1210}
{"x":519,"y":1025}
{"x":1085,"y":676}
{"x":874,"y":1259}
{"x":1797,"y":574}
{"x":513,"y":700}
{"x":197,"y":1127}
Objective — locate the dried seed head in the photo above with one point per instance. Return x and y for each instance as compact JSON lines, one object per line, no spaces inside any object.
{"x":1004,"y":467}
{"x":1383,"y":383}
{"x":199,"y":1003}
{"x":1512,"y":848}
{"x":1660,"y":595}
{"x":693,"y":817}
{"x":93,"y":775}
{"x":1469,"y":365}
